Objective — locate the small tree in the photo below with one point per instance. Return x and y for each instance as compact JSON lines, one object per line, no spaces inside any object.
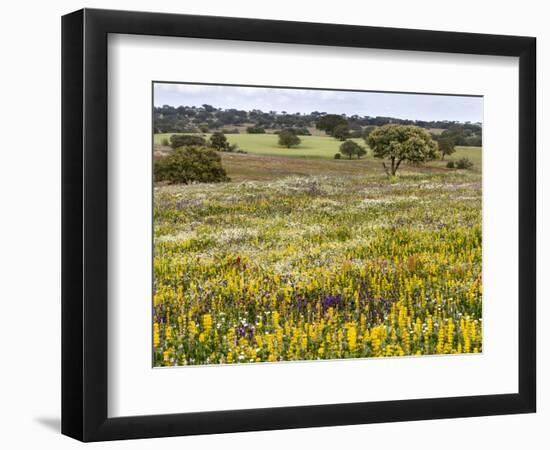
{"x":351,"y":148}
{"x":398,"y":143}
{"x":337,"y":156}
{"x":182,"y":140}
{"x":218,"y":141}
{"x":190,"y":164}
{"x":341,"y":132}
{"x":446,"y":147}
{"x":287,"y":138}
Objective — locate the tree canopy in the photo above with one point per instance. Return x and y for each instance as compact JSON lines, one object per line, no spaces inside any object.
{"x":218,"y":141}
{"x":329,"y":122}
{"x":398,"y":143}
{"x":190,"y":164}
{"x":341,"y":132}
{"x":288,"y":138}
{"x":351,"y":148}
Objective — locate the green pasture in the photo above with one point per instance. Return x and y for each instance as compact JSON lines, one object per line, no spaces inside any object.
{"x":281,"y":161}
{"x":323,"y":147}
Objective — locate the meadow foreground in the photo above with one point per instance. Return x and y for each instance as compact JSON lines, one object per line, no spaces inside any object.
{"x":305,"y":267}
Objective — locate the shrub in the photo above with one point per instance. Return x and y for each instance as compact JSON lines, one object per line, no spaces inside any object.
{"x":338,"y":156}
{"x":190,"y":164}
{"x":183,"y":140}
{"x":464,"y":163}
{"x":165,"y":142}
{"x":451,"y":165}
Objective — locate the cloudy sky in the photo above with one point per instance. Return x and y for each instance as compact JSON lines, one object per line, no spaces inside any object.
{"x":403,"y":106}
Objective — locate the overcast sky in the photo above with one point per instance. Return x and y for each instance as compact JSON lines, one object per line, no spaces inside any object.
{"x":403,"y":106}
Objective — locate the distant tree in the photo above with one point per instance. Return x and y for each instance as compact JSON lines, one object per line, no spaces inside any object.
{"x":208,"y":108}
{"x":329,"y":122}
{"x":183,"y":140}
{"x":398,"y":143}
{"x":351,"y":148}
{"x":218,"y":141}
{"x":450,"y":165}
{"x":341,"y":132}
{"x":165,"y":142}
{"x":287,"y":138}
{"x":446,"y":147}
{"x":255,"y":130}
{"x":190,"y":164}
{"x":338,"y":156}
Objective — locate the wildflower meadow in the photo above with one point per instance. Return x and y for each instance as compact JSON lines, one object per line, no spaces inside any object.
{"x":339,"y":264}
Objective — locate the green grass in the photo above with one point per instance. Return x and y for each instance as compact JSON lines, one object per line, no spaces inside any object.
{"x":266,"y":160}
{"x":320,"y":147}
{"x":473,"y":153}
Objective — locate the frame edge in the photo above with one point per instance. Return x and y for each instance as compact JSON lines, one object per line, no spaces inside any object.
{"x":84,"y":229}
{"x":72,"y":254}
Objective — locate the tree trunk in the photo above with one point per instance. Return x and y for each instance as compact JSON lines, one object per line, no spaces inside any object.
{"x":394,"y":170}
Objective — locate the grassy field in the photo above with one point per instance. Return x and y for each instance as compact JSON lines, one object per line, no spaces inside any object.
{"x":303,"y":258}
{"x":322,"y":147}
{"x":314,"y":147}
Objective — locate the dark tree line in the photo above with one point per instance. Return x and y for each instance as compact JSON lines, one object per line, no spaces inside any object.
{"x":205,"y":118}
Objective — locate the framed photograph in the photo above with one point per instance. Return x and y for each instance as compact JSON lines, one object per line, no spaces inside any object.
{"x":273,"y":224}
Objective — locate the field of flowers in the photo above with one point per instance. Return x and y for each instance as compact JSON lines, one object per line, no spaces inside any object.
{"x":317,"y":267}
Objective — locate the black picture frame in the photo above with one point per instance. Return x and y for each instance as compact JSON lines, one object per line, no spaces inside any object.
{"x":84,"y":224}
